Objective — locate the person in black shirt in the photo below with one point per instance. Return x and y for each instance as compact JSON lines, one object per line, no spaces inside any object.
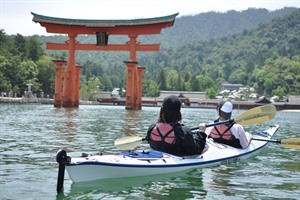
{"x":170,"y":136}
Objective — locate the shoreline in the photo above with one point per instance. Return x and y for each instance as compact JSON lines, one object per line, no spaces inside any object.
{"x":146,"y":102}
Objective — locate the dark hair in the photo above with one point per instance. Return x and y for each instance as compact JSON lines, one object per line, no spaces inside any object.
{"x":168,"y":116}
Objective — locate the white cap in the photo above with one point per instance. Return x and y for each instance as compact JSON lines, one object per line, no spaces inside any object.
{"x":227,"y":107}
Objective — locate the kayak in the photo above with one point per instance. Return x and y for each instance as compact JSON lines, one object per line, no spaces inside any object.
{"x":149,"y":162}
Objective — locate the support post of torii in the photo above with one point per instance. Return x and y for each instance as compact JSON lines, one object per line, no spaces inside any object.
{"x":58,"y":82}
{"x":69,"y":79}
{"x":77,"y":86}
{"x":140,"y":86}
{"x":131,"y":86}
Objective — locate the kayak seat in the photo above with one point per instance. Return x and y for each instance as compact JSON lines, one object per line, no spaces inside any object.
{"x":205,"y":149}
{"x":143,"y":154}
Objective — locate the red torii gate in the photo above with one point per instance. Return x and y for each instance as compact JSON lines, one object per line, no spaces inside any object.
{"x":67,"y":94}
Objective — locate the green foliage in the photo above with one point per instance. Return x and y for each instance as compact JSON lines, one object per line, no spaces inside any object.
{"x":266,"y":57}
{"x":22,"y":61}
{"x":150,"y":88}
{"x":211,"y":93}
{"x":91,"y":89}
{"x":162,"y":79}
{"x":46,"y":74}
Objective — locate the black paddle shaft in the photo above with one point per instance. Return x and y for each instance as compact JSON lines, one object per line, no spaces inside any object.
{"x":229,"y":121}
{"x":62,"y":159}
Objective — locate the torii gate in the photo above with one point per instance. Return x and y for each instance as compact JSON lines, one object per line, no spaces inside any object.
{"x":67,"y":94}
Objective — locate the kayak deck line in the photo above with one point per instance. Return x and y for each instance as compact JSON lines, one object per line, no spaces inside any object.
{"x":162,"y":165}
{"x":136,"y":163}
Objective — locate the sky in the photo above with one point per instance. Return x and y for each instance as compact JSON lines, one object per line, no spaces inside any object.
{"x":16,"y":17}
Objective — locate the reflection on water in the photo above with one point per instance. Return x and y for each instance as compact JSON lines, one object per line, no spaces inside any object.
{"x":31,"y":134}
{"x":182,"y":185}
{"x":67,"y":126}
{"x":132,"y":122}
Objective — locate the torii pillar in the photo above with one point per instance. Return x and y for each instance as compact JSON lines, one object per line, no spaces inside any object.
{"x":58,"y":82}
{"x":133,"y":96}
{"x":140,"y":85}
{"x":131,"y":86}
{"x":69,"y":79}
{"x":77,"y":86}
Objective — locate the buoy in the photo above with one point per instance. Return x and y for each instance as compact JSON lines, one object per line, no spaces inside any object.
{"x":62,"y":159}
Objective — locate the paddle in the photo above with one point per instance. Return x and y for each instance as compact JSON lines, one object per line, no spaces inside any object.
{"x":253,"y":116}
{"x":289,"y":142}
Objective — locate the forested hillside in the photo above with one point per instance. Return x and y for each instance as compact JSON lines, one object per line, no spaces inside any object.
{"x":267,"y":58}
{"x":188,"y":29}
{"x":254,"y":47}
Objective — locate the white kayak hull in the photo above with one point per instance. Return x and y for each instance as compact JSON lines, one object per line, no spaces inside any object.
{"x":94,"y":167}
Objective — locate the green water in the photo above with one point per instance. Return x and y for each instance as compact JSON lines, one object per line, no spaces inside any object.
{"x":31,"y":134}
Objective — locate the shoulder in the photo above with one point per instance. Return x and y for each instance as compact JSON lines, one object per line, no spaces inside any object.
{"x":208,"y":129}
{"x":151,"y":126}
{"x":180,"y":128}
{"x":237,"y":128}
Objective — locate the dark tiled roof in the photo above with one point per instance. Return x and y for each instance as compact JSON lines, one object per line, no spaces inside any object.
{"x":103,"y":23}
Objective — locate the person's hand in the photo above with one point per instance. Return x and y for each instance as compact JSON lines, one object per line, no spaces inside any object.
{"x":250,"y":137}
{"x":202,"y":127}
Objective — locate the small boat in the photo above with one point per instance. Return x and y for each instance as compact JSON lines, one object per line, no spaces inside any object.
{"x":149,"y":162}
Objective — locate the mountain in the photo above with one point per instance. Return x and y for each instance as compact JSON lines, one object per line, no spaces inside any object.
{"x":267,"y":57}
{"x":204,"y":26}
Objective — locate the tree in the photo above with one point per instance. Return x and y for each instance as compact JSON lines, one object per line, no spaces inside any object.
{"x":173,"y":80}
{"x":4,"y":81}
{"x":46,"y":74}
{"x":34,"y":49}
{"x":20,"y":43}
{"x":162,"y":80}
{"x":150,"y":88}
{"x":91,"y":89}
{"x":211,"y":93}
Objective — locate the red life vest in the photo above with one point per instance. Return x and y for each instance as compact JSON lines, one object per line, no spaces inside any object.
{"x":222,"y":134}
{"x":222,"y":131}
{"x":163,"y":133}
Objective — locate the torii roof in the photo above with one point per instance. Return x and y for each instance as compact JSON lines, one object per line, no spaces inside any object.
{"x":46,"y":21}
{"x":103,"y":23}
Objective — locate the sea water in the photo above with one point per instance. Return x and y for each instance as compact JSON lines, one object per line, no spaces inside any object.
{"x":31,"y":134}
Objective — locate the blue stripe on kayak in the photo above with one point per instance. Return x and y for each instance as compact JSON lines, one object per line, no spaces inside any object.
{"x":165,"y":165}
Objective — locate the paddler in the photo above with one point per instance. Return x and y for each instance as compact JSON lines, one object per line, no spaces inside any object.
{"x":231,"y":134}
{"x":170,"y":136}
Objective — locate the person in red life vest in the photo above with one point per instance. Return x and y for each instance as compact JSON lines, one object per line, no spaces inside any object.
{"x":230,"y":134}
{"x":170,"y":136}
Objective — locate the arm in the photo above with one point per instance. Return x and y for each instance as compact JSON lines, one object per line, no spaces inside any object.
{"x":239,"y":133}
{"x":185,"y":139}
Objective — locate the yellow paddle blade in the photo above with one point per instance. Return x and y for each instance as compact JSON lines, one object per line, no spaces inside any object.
{"x":256,"y":115}
{"x":128,"y":143}
{"x":292,"y":141}
{"x":292,"y":146}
